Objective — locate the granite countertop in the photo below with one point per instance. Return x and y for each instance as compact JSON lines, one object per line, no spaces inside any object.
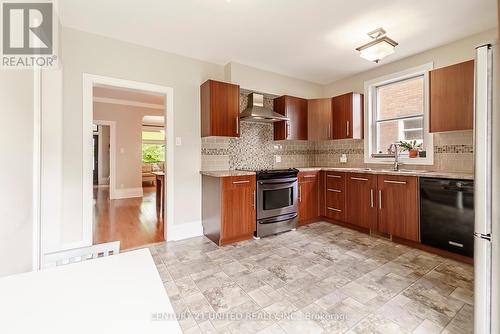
{"x":387,"y":171}
{"x":383,"y":171}
{"x":226,"y":173}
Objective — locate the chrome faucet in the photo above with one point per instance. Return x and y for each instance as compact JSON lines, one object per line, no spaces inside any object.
{"x":393,"y":149}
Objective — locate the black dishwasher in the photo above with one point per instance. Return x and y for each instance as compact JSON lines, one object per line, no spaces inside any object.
{"x":447,"y":214}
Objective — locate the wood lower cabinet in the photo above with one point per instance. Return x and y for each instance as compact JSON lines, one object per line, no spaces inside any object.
{"x":309,"y":204}
{"x":398,"y":206}
{"x":335,"y":197}
{"x":361,"y":200}
{"x":451,"y":95}
{"x":220,"y":109}
{"x":228,"y":208}
{"x":319,"y":119}
{"x":295,"y":109}
{"x":347,"y":116}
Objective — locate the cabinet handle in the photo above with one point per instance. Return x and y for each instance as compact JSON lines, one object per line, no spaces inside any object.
{"x":394,"y":182}
{"x":254,"y":199}
{"x":359,"y":178}
{"x":456,"y":244}
{"x":347,"y":127}
{"x":329,"y":131}
{"x":333,"y":209}
{"x":371,"y":198}
{"x":309,"y":176}
{"x":239,"y":182}
{"x":300,"y":193}
{"x":237,"y":125}
{"x":380,"y":199}
{"x":335,"y":190}
{"x":334,"y":176}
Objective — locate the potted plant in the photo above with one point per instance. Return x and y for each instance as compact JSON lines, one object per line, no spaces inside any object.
{"x":411,"y":146}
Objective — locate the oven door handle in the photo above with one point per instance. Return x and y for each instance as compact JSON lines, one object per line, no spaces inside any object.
{"x":279,"y":181}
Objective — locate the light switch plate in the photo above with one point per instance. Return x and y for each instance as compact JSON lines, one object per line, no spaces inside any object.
{"x":343,"y":158}
{"x":178,"y":141}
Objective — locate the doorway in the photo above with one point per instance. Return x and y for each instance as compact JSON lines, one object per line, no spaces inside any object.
{"x":126,"y":208}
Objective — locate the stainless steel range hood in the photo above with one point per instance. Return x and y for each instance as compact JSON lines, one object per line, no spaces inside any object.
{"x":255,"y":112}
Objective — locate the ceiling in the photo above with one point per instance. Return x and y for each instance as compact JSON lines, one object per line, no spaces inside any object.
{"x":314,"y":40}
{"x":117,"y":94}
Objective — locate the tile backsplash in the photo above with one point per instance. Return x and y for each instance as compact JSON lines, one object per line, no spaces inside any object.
{"x":255,"y":149}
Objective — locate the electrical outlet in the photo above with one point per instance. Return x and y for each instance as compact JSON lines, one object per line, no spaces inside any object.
{"x":277,"y":158}
{"x":343,"y":158}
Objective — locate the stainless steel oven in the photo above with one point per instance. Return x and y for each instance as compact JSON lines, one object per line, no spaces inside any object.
{"x":277,"y":201}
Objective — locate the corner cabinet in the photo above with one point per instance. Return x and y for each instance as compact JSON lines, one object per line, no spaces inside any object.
{"x":228,"y":208}
{"x":309,"y":187}
{"x":295,"y":109}
{"x":220,"y":109}
{"x":398,"y":209}
{"x":347,"y":115}
{"x":452,"y":97}
{"x":319,"y":119}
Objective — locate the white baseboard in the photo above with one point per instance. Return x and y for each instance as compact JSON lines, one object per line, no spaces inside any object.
{"x":127,"y":193}
{"x":184,"y":231}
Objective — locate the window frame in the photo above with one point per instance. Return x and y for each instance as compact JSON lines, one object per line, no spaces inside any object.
{"x":370,"y":130}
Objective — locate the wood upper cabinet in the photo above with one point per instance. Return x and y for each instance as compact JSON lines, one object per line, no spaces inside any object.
{"x":335,"y":196}
{"x":309,"y":187}
{"x":361,"y":200}
{"x":228,"y":208}
{"x":347,"y":116}
{"x":398,"y":212}
{"x":220,"y":109}
{"x":452,"y":97}
{"x":295,"y":109}
{"x":319,"y":119}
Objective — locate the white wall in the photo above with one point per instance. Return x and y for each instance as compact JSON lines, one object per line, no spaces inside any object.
{"x":16,"y":171}
{"x":445,"y":55}
{"x":268,"y":82}
{"x":128,"y":146}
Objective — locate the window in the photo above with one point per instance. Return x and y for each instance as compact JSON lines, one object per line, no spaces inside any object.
{"x":397,"y":111}
{"x":153,"y":152}
{"x":153,"y":145}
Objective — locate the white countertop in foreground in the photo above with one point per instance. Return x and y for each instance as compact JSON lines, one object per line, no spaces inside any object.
{"x":121,"y":293}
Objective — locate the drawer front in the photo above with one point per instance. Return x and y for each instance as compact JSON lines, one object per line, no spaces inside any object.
{"x":335,"y":200}
{"x":335,"y":204}
{"x":245,"y":181}
{"x":335,"y":180}
{"x":312,"y":176}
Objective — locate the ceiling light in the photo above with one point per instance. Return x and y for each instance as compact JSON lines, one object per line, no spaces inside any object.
{"x":379,"y":48}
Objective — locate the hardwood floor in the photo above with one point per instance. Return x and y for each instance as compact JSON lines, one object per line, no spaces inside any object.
{"x":133,"y":221}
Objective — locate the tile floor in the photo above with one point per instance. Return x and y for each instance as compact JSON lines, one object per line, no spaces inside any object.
{"x":321,"y":278}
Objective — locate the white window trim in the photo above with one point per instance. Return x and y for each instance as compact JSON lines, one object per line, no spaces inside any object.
{"x":370,"y":105}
